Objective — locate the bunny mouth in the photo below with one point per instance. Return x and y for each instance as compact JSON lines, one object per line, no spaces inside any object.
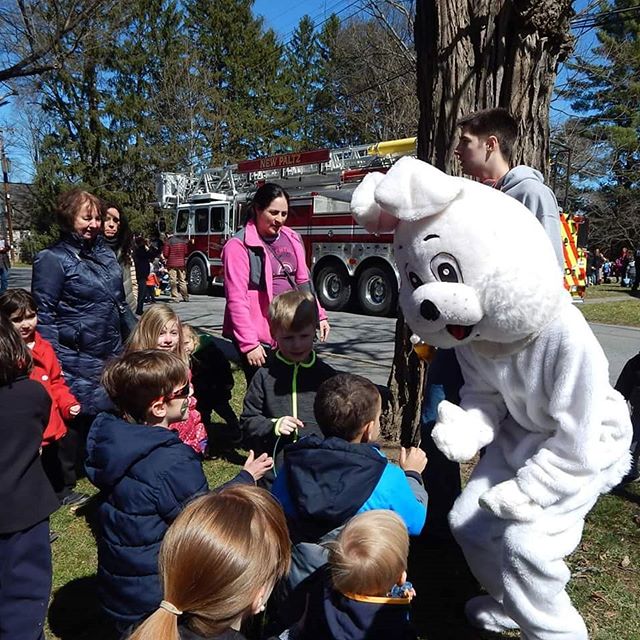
{"x":460,"y":331}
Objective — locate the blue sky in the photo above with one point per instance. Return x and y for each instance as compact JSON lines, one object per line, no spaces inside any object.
{"x":283,"y":16}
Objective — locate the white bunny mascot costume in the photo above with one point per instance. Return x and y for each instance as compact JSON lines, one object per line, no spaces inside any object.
{"x":479,"y":274}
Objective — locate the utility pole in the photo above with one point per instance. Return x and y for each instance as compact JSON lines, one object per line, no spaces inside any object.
{"x":7,"y":195}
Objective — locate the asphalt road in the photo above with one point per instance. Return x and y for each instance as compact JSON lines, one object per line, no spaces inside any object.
{"x":363,"y":344}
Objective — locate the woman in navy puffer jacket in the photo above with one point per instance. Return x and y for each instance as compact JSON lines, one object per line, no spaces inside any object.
{"x":77,"y":285}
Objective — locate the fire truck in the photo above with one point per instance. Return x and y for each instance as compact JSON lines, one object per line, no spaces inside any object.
{"x":347,"y":263}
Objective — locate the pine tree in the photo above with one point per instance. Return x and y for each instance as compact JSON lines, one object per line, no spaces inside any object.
{"x":606,"y":89}
{"x":239,"y":63}
{"x":301,"y":74}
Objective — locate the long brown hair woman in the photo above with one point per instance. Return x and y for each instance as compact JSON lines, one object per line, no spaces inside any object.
{"x":219,"y":562}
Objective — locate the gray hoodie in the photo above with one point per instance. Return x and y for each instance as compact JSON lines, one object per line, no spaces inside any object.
{"x":527,"y":186}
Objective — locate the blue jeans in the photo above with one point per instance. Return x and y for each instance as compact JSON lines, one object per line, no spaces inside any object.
{"x":441,"y":477}
{"x":4,"y":280}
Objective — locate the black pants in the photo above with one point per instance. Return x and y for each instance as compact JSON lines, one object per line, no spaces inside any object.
{"x":144,"y":291}
{"x":71,"y":454}
{"x":25,"y":582}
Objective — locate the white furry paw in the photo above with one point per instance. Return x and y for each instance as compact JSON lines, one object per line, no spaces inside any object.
{"x":457,"y":434}
{"x":483,"y":612}
{"x":508,"y":502}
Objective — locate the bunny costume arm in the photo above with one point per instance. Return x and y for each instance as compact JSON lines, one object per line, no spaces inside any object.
{"x":571,"y":428}
{"x":461,"y":432}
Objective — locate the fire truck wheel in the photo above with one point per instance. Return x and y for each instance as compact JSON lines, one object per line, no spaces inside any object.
{"x":377,"y":291}
{"x":333,"y":286}
{"x":197,"y":278}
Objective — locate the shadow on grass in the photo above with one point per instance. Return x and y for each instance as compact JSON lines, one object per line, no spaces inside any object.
{"x":626,"y":493}
{"x":75,"y":613}
{"x":443,"y":584}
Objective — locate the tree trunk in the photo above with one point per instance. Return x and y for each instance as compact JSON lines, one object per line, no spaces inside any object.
{"x":489,"y":53}
{"x":471,"y":56}
{"x":401,"y":419}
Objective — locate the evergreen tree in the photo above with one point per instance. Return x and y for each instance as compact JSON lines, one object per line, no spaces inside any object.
{"x":605,"y":88}
{"x":239,"y":64}
{"x":301,"y":75}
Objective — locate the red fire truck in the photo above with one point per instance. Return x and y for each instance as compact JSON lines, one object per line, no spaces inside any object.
{"x":347,"y":263}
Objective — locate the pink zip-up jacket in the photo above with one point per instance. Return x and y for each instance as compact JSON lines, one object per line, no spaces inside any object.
{"x":246,"y":312}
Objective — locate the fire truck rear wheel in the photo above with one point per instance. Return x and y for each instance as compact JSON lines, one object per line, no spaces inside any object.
{"x":377,"y":291}
{"x":333,"y":286}
{"x":197,"y":278}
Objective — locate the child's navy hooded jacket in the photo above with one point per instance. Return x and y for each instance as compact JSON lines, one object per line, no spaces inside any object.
{"x":331,"y":614}
{"x":146,"y":475}
{"x":323,"y":483}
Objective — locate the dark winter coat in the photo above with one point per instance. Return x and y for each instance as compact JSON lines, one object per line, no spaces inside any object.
{"x":282,"y":388}
{"x":146,"y":475}
{"x":331,"y":614}
{"x":78,"y":288}
{"x":26,"y":496}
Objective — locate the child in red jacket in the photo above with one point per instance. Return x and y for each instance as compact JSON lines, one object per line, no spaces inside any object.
{"x":19,"y":306}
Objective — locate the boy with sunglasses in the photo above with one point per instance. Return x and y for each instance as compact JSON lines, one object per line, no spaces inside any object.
{"x":145,"y":475}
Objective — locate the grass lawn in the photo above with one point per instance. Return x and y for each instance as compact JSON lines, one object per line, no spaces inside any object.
{"x":605,"y":585}
{"x":610,"y":290}
{"x":626,"y":312}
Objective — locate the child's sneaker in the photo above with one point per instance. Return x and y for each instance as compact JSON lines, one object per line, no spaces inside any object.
{"x":75,"y":500}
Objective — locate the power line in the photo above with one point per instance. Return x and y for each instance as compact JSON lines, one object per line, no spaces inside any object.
{"x":596,"y":19}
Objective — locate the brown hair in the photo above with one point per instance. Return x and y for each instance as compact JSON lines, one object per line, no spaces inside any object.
{"x":15,"y":356}
{"x":370,"y":554}
{"x":493,"y":122}
{"x":147,"y":331}
{"x":293,"y":311}
{"x":69,"y":204}
{"x":136,"y":379}
{"x":215,"y":558}
{"x":18,"y":300}
{"x":344,"y":404}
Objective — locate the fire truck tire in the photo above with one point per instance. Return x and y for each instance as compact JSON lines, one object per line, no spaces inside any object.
{"x":377,"y":291}
{"x":197,"y":277}
{"x":333,"y":287}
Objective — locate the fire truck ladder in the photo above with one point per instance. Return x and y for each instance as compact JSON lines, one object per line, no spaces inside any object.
{"x":307,"y":170}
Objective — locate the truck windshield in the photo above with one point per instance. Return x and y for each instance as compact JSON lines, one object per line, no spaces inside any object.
{"x":182,"y":221}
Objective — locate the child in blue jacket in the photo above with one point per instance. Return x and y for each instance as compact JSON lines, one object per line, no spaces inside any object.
{"x":146,"y":475}
{"x":323,"y":483}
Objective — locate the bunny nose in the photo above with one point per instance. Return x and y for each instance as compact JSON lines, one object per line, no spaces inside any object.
{"x":429,"y":311}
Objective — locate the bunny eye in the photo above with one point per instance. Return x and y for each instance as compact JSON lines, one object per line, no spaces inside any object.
{"x":445,"y":268}
{"x":414,"y":280}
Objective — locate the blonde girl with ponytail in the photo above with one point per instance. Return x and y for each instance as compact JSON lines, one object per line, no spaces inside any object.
{"x":219,"y":562}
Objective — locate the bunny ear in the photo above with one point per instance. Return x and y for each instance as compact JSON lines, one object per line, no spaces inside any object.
{"x":413,"y":190}
{"x":366,"y":211}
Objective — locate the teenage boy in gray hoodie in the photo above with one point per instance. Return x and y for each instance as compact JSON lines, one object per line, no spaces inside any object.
{"x":484,"y":151}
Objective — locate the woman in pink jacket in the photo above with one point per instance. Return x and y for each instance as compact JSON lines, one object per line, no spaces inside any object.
{"x":261,"y":261}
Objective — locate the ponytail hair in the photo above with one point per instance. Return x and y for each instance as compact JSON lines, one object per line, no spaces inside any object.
{"x":217,"y":556}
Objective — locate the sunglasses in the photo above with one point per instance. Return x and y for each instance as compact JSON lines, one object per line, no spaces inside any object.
{"x":182,"y":392}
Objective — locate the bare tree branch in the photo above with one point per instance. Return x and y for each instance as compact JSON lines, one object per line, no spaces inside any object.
{"x":32,"y":56}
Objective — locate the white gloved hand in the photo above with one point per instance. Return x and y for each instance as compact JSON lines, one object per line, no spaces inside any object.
{"x":458,"y":434}
{"x":507,"y":501}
